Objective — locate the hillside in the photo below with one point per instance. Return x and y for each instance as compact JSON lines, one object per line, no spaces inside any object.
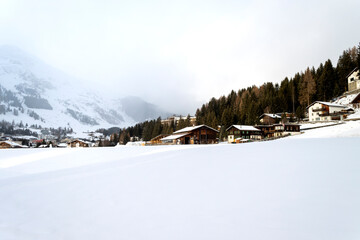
{"x":269,"y":190}
{"x":326,"y":82}
{"x":35,"y":93}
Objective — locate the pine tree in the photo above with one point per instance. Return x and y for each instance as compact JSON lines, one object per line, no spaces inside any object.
{"x":327,"y":81}
{"x":308,"y":88}
{"x":345,"y":65}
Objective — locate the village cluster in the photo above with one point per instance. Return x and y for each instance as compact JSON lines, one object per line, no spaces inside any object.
{"x":273,"y":126}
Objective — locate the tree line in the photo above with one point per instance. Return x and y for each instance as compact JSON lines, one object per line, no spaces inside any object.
{"x":293,"y":95}
{"x":246,"y":105}
{"x":149,"y":129}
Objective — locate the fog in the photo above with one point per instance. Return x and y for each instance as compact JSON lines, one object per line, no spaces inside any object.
{"x":179,"y":54}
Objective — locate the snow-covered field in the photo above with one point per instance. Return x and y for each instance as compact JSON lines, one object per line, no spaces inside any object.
{"x":345,"y":129}
{"x":293,"y":188}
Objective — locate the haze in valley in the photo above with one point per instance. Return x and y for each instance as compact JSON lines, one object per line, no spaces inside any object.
{"x":179,"y":54}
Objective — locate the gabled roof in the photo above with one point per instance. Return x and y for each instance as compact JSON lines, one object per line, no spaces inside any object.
{"x":355,"y":69}
{"x":189,"y":129}
{"x":357,"y":97}
{"x":327,"y":104}
{"x":244,"y":128}
{"x":14,"y":144}
{"x":272,"y":115}
{"x":174,"y":137}
{"x":159,"y":137}
{"x":82,"y":141}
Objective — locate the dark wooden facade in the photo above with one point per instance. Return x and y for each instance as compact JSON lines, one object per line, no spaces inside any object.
{"x":268,"y":131}
{"x":268,"y":120}
{"x":277,"y":130}
{"x":292,"y":128}
{"x":202,"y":135}
{"x":356,"y":101}
{"x":78,"y":143}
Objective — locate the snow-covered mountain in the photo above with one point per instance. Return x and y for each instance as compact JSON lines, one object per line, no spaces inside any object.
{"x":35,"y":93}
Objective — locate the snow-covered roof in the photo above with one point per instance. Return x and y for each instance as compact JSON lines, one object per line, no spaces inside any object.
{"x":355,"y":97}
{"x":14,"y":144}
{"x":25,"y":137}
{"x":174,"y":136}
{"x":272,"y":115}
{"x":244,"y":128}
{"x":327,"y":104}
{"x":345,"y":100}
{"x":189,"y":129}
{"x":355,"y":69}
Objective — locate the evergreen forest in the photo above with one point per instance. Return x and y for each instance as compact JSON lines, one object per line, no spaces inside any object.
{"x":244,"y":106}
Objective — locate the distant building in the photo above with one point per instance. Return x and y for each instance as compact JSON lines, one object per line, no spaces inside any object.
{"x":241,"y":132}
{"x":279,"y":130}
{"x":355,"y":103}
{"x":326,"y":111}
{"x":78,"y":143}
{"x":271,"y":131}
{"x":353,"y":81}
{"x":270,"y":118}
{"x":200,"y":134}
{"x":175,"y":119}
{"x":10,"y":144}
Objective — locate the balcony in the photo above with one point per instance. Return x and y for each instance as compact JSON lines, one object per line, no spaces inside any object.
{"x":319,"y":109}
{"x":324,"y":114}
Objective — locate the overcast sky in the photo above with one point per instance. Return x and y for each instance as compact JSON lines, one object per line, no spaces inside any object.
{"x":179,"y":54}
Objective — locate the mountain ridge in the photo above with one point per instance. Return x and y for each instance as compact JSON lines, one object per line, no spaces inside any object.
{"x":34,"y":92}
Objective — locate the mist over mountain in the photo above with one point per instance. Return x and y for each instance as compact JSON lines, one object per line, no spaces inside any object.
{"x":35,"y":93}
{"x":132,"y":104}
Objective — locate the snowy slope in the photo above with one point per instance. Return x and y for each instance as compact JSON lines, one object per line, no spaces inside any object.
{"x":345,"y":129}
{"x":35,"y":93}
{"x":284,"y":189}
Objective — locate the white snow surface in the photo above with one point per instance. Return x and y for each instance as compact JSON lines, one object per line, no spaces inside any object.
{"x":245,"y":128}
{"x":345,"y":129}
{"x":346,"y":100}
{"x":291,"y":188}
{"x":355,"y":115}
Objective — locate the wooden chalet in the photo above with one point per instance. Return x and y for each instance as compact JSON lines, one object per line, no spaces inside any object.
{"x":356,"y":101}
{"x":326,"y":111}
{"x":270,"y":118}
{"x":157,"y":140}
{"x":78,"y":143}
{"x":291,"y":129}
{"x":269,"y":131}
{"x":278,"y":130}
{"x":200,"y":134}
{"x":353,"y":81}
{"x":238,"y":133}
{"x":10,"y":144}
